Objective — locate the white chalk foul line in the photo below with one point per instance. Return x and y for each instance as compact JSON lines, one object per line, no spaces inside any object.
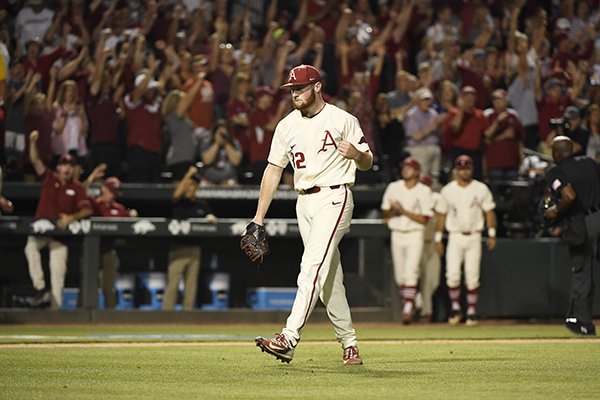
{"x":232,"y":340}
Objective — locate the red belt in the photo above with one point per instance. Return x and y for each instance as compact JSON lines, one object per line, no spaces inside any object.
{"x":317,"y":189}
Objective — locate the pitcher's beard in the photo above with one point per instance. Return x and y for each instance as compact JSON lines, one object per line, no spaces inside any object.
{"x":306,"y":104}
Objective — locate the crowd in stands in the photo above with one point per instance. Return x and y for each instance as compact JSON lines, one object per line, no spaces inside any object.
{"x":152,"y":87}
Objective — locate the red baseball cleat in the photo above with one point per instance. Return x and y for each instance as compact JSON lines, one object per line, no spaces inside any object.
{"x":279,"y":347}
{"x":351,"y":356}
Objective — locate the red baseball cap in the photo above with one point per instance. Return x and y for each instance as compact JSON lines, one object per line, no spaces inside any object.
{"x":113,"y":184}
{"x":412,"y":162}
{"x":67,"y":159}
{"x":463,"y":162}
{"x":302,"y":75}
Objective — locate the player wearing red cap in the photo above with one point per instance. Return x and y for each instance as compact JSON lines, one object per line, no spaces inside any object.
{"x":464,"y":202}
{"x":406,"y":207}
{"x":325,"y":146}
{"x":63,"y":199}
{"x":106,"y":205}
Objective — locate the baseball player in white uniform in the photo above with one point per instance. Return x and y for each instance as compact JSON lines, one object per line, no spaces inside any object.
{"x":406,"y":207}
{"x":430,"y":267}
{"x":464,"y":203}
{"x":325,"y":146}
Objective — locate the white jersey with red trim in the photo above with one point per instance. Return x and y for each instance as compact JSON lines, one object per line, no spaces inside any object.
{"x":310,"y":144}
{"x":417,"y":200}
{"x":464,"y":206}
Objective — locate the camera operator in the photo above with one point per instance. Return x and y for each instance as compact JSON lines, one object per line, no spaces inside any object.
{"x":221,"y":154}
{"x":570,"y":125}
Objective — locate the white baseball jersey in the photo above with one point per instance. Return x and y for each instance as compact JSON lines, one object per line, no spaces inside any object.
{"x":417,"y":200}
{"x":310,"y":144}
{"x":464,"y":206}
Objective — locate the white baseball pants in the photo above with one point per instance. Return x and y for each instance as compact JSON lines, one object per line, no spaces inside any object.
{"x":323,"y":219}
{"x":58,"y":265}
{"x":463,"y":248}
{"x":407,"y":248}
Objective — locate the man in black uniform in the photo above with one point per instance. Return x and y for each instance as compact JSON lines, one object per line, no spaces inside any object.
{"x":575,"y":181}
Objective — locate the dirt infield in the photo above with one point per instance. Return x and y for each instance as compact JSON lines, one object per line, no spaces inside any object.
{"x":319,"y":342}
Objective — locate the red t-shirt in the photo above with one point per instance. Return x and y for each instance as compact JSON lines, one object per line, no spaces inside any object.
{"x":112,"y":209}
{"x":234,"y":108}
{"x":104,"y":119}
{"x":43,"y":65}
{"x":505,"y":153}
{"x":104,"y":209}
{"x":57,"y":198}
{"x":259,"y":138}
{"x":144,"y":124}
{"x":548,"y":110}
{"x":471,"y":131}
{"x":201,"y":109}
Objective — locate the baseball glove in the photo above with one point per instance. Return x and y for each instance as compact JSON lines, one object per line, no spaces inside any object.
{"x":254,"y":242}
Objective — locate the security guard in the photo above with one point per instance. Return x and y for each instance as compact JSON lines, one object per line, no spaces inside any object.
{"x":575,"y":181}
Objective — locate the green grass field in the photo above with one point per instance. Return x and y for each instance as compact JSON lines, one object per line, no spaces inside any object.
{"x":490,"y":361}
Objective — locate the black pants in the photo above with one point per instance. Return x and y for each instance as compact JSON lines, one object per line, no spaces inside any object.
{"x":584,"y":260}
{"x":143,"y":166}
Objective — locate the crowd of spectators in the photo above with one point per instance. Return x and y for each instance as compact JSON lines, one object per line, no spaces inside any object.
{"x":152,"y":87}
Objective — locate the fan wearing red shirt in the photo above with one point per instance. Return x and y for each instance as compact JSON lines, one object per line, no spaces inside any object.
{"x":40,"y":63}
{"x":463,"y":130}
{"x":263,"y":118}
{"x":63,"y":200}
{"x":203,"y":104}
{"x":144,"y":129}
{"x":504,"y":139}
{"x":106,"y":205}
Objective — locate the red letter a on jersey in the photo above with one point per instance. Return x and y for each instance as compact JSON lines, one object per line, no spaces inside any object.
{"x":327,"y":141}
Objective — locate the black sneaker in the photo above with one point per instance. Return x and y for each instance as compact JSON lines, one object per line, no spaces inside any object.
{"x":454,"y":317}
{"x":472,"y":320}
{"x":580,"y":328}
{"x":41,"y":299}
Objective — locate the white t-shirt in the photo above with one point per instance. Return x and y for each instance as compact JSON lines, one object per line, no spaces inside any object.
{"x":417,"y":200}
{"x":310,"y":144}
{"x":31,"y":25}
{"x":464,"y":206}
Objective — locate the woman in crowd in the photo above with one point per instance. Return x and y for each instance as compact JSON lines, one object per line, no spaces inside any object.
{"x":70,"y":122}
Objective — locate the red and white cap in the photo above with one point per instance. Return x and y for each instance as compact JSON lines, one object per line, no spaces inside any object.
{"x":463,"y":162}
{"x":113,"y":184}
{"x":412,"y":162}
{"x":302,"y":75}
